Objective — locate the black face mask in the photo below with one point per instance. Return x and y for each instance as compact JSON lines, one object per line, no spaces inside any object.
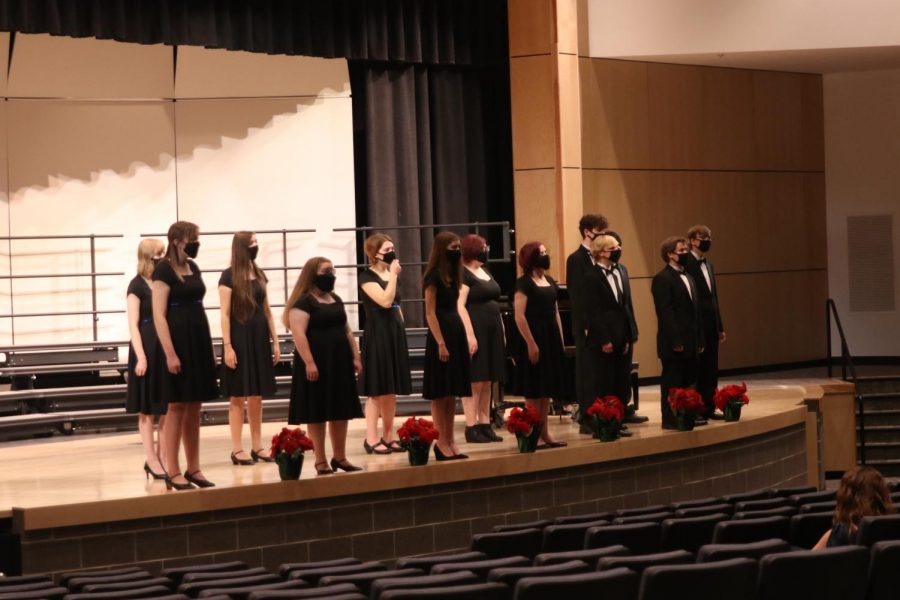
{"x":453,"y":255}
{"x":389,"y":257}
{"x":325,"y":281}
{"x":192,"y":248}
{"x":156,"y":260}
{"x":482,"y":257}
{"x":683,"y":259}
{"x":254,"y":252}
{"x":615,"y":255}
{"x":705,"y":245}
{"x":543,"y":262}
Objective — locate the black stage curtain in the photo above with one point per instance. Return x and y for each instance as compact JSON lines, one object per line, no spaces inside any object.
{"x":458,"y":32}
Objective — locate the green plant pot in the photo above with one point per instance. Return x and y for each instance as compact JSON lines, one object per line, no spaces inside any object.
{"x":733,"y":411}
{"x":528,"y":443}
{"x":607,"y":433}
{"x":289,"y":467}
{"x":418,"y":454}
{"x":685,"y":421}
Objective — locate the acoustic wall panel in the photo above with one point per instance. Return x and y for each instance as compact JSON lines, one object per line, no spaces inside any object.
{"x":5,"y":295}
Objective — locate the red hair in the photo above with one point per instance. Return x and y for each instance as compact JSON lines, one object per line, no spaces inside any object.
{"x":528,"y":255}
{"x":471,"y":246}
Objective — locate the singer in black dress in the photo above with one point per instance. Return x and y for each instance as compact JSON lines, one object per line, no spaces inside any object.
{"x":540,"y":358}
{"x":447,"y":364}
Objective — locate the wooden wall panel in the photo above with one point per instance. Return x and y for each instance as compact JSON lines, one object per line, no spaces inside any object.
{"x":791,"y":209}
{"x":813,"y":125}
{"x":727,"y":113}
{"x":645,"y":349}
{"x":778,"y":121}
{"x":534,"y":119}
{"x":675,"y":117}
{"x":536,"y":191}
{"x":530,"y":27}
{"x":569,"y":111}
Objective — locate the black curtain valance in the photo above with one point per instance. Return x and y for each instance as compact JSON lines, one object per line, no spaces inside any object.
{"x":431,"y":32}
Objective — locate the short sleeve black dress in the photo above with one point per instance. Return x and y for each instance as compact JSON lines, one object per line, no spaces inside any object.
{"x":145,"y":393}
{"x":546,"y":378}
{"x":451,"y":378}
{"x":190,"y":336}
{"x":333,"y":397}
{"x":254,"y":375}
{"x":385,"y":354}
{"x":488,"y":363}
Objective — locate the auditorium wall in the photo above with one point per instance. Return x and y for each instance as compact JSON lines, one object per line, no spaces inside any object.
{"x":101,"y":137}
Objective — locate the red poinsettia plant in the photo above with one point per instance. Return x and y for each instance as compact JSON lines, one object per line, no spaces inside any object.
{"x":522,"y":421}
{"x":290,"y":442}
{"x":607,"y":409}
{"x":685,"y":400}
{"x":731,"y":394}
{"x":417,"y":431}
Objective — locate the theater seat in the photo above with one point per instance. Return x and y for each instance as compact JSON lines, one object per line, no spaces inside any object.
{"x":751,"y":530}
{"x":411,"y":583}
{"x":193,"y":577}
{"x":824,"y":496}
{"x":814,"y":507}
{"x":583,"y":518}
{"x":194,"y":589}
{"x":787,"y":492}
{"x":783,"y":511}
{"x":524,"y":542}
{"x":426,"y":562}
{"x":127,"y":585}
{"x":518,"y":526}
{"x":746,"y":496}
{"x":702,"y":511}
{"x":287,"y":568}
{"x":646,"y":510}
{"x":153,"y":591}
{"x":878,"y":529}
{"x":657,"y":517}
{"x":761,"y":504}
{"x":364,"y":580}
{"x":733,"y":579}
{"x":243,"y":592}
{"x":640,"y":562}
{"x":27,"y":587}
{"x":830,"y":574}
{"x":481,"y":568}
{"x":511,"y":575}
{"x":77,"y":583}
{"x":562,"y":538}
{"x":65,"y":577}
{"x":884,"y":571}
{"x":689,"y":533}
{"x":477,"y":591}
{"x":617,"y":584}
{"x":47,"y":593}
{"x":312,"y":576}
{"x":297,"y":594}
{"x":24,"y":580}
{"x":808,"y":529}
{"x":676,"y":506}
{"x":640,"y":538}
{"x":176,"y":573}
{"x":756,"y":550}
{"x":589,"y":556}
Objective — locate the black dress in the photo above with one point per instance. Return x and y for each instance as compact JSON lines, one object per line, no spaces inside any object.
{"x":189,"y":330}
{"x":145,"y":393}
{"x":451,"y":378}
{"x":333,"y":396}
{"x":385,"y":354}
{"x":546,"y":378}
{"x":252,"y":344}
{"x":488,"y":363}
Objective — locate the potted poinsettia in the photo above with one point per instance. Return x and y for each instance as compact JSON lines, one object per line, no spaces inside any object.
{"x":730,"y":400}
{"x":606,"y":416}
{"x":288,"y":447}
{"x":685,"y":404}
{"x":416,"y":436}
{"x":525,"y":423}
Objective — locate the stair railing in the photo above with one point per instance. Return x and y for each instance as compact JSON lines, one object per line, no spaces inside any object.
{"x":847,"y":367}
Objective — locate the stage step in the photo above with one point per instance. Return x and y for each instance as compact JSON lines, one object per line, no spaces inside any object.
{"x":888,"y":468}
{"x":881,"y":416}
{"x":878,"y":384}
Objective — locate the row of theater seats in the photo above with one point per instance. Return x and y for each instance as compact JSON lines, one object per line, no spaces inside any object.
{"x":715,"y":548}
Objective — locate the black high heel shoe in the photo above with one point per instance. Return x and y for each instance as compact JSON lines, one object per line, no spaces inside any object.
{"x":201,"y":483}
{"x":150,"y":473}
{"x":256,"y":456}
{"x":240,"y":461}
{"x":438,"y":455}
{"x":325,"y":471}
{"x":344,"y":465}
{"x":377,"y":448}
{"x":171,"y":485}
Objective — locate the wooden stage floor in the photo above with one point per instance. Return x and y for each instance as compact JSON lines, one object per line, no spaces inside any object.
{"x":71,"y":480}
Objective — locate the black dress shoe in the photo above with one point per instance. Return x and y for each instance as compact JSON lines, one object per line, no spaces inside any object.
{"x":171,"y":485}
{"x":379,"y":448}
{"x":255,"y":455}
{"x":633,"y":418}
{"x":488,"y":432}
{"x":459,"y":456}
{"x":344,"y":465}
{"x":151,"y":473}
{"x":716,"y":417}
{"x":438,"y":455}
{"x":240,"y":461}
{"x":700,"y":421}
{"x":475,"y":435}
{"x":323,"y":471}
{"x":201,"y":483}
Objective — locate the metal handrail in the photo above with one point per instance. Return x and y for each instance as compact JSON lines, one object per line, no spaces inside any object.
{"x":846,"y":364}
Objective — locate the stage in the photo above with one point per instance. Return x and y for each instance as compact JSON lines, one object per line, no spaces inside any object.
{"x":84,"y":502}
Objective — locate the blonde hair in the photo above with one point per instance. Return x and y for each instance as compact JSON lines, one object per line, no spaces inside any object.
{"x":303,"y":285}
{"x":601,"y":243}
{"x":147,"y":250}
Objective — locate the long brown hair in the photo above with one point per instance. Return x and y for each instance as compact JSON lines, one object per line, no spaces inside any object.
{"x":439,"y":262}
{"x":243,"y":302}
{"x":863,"y":493}
{"x":179,"y":230}
{"x":303,"y":285}
{"x":147,"y":250}
{"x":373,"y":245}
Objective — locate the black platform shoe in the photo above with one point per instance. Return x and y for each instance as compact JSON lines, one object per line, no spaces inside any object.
{"x":475,"y":435}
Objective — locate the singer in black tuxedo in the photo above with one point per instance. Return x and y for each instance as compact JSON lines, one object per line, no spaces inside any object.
{"x":608,"y":332}
{"x":699,"y":267}
{"x":679,"y":336}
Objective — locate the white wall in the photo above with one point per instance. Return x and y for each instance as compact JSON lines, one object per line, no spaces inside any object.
{"x":635,"y":28}
{"x":862,"y":172}
{"x":108,"y":138}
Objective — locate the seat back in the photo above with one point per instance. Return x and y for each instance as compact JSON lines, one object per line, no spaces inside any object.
{"x":312,"y":576}
{"x":787,"y":492}
{"x":476,"y":591}
{"x":884,"y":576}
{"x":510,"y":575}
{"x":689,"y":533}
{"x":639,"y":562}
{"x":745,"y":496}
{"x":755,"y":550}
{"x":783,"y":511}
{"x":808,"y":529}
{"x":766,"y":504}
{"x":617,"y":584}
{"x":657,"y":517}
{"x":194,"y":589}
{"x":583,"y":518}
{"x":77,"y":583}
{"x":751,"y":530}
{"x":153,"y":591}
{"x":589,"y":556}
{"x":481,"y":567}
{"x":562,"y":538}
{"x":426,"y":562}
{"x":296,"y":594}
{"x":640,"y":538}
{"x":676,"y":506}
{"x":364,"y":580}
{"x":242,"y":592}
{"x":518,"y":526}
{"x":47,"y":593}
{"x":192,"y":577}
{"x":878,"y":529}
{"x":94,"y":588}
{"x":425,"y":581}
{"x":824,"y":496}
{"x":734,"y":579}
{"x":176,"y":573}
{"x":65,"y":577}
{"x":523,"y":542}
{"x":646,"y":510}
{"x":702,"y":511}
{"x":814,"y":507}
{"x":286,"y":568}
{"x":829,"y":574}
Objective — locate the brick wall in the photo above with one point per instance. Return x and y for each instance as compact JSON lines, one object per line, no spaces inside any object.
{"x":420,"y":520}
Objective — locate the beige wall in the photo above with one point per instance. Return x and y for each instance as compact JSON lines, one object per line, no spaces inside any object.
{"x":862,"y":141}
{"x":103,"y":137}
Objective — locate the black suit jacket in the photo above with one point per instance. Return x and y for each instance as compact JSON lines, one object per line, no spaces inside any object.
{"x":629,"y":308}
{"x":576,"y":265}
{"x":607,"y":319}
{"x":709,"y":298}
{"x":677,"y":314}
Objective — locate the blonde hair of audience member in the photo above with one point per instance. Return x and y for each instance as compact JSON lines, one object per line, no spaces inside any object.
{"x":862,"y":493}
